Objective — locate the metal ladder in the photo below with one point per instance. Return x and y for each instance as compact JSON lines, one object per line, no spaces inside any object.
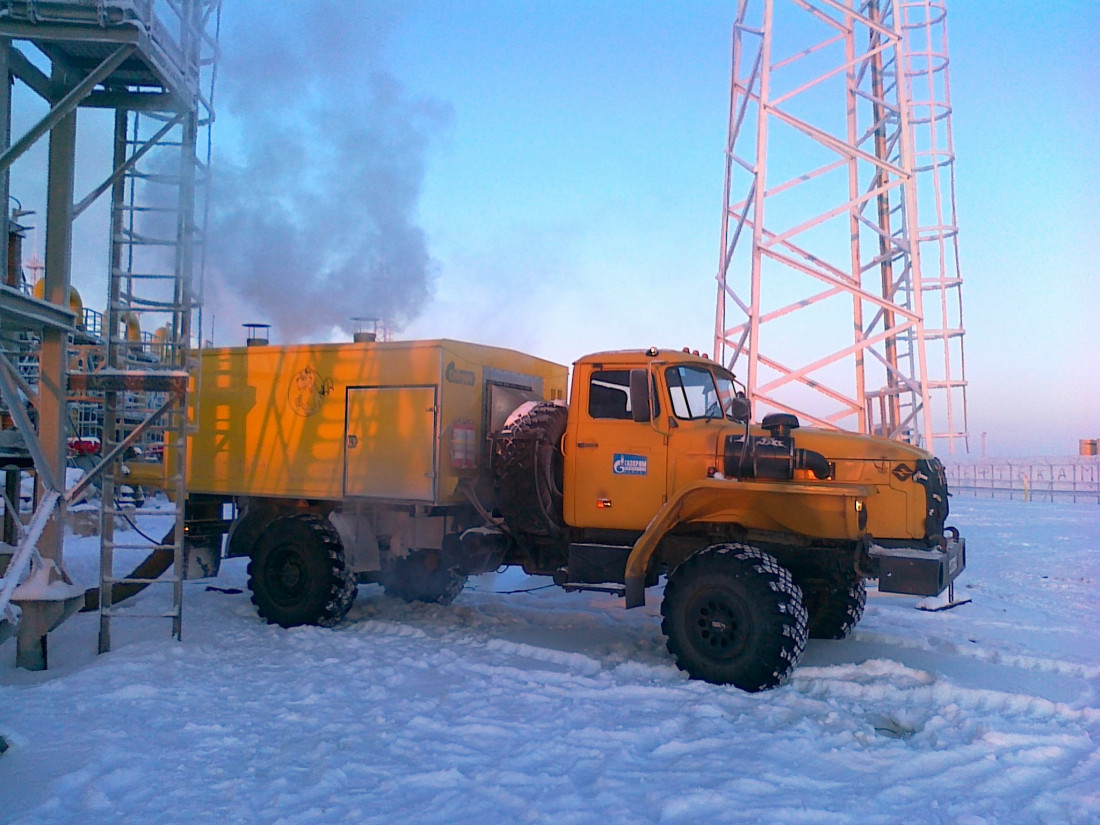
{"x":157,"y":237}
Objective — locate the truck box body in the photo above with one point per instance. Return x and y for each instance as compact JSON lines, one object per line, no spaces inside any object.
{"x":371,"y":421}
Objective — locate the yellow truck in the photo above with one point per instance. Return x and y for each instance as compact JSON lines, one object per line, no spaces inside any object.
{"x":416,"y":464}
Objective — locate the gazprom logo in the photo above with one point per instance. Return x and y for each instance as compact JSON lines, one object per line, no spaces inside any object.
{"x":624,"y":464}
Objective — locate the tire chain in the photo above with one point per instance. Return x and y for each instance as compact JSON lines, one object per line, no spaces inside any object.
{"x":346,"y":584}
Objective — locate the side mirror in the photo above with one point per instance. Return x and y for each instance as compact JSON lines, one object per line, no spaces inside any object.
{"x":740,"y":408}
{"x":639,"y":395}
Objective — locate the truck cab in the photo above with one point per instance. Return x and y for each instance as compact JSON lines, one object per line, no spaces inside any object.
{"x":627,"y":454}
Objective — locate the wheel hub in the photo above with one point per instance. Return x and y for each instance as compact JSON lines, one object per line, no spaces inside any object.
{"x":290,"y":576}
{"x":287,"y":578}
{"x":720,"y":625}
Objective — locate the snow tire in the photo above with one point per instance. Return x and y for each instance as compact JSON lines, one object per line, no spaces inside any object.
{"x":297,"y":573}
{"x":836,"y":608}
{"x":733,"y":615}
{"x":423,"y":576}
{"x":528,"y":469}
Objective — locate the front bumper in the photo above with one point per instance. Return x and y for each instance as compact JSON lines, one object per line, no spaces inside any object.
{"x":918,"y":571}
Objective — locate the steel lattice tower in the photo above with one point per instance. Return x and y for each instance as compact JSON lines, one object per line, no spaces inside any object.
{"x":839,"y":292}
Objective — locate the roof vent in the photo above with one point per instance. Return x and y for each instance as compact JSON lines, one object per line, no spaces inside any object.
{"x":257,"y":335}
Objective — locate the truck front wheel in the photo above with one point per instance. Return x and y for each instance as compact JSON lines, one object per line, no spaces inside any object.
{"x":733,"y":615}
{"x":297,"y":573}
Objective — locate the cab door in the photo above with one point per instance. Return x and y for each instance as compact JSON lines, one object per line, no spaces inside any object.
{"x":615,"y":466}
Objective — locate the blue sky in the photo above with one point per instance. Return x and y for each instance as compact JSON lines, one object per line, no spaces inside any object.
{"x":553,"y":173}
{"x":574,"y":202}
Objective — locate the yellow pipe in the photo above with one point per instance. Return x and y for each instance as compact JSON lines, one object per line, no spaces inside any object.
{"x":76,"y":304}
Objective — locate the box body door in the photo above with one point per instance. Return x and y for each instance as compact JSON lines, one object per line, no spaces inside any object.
{"x":390,"y":443}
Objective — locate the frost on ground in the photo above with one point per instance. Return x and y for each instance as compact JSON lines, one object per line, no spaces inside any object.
{"x":565,"y":708}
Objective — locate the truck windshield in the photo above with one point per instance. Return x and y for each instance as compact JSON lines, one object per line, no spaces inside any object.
{"x":696,"y":392}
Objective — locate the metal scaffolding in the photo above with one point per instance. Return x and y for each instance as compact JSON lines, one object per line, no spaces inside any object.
{"x":153,"y":63}
{"x":838,"y":279}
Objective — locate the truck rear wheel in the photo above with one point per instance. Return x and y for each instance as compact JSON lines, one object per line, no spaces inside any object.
{"x":527,"y":471}
{"x":423,"y":576}
{"x":297,"y":574}
{"x":835,"y":608}
{"x":733,"y":615}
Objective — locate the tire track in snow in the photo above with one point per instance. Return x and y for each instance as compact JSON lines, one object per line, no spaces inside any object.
{"x":983,"y":654}
{"x":895,"y":685}
{"x":987,"y":744}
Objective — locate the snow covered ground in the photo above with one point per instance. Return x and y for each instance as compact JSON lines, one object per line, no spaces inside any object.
{"x":565,"y":708}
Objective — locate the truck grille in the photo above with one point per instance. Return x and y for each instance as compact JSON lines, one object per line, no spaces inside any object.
{"x":930,"y":475}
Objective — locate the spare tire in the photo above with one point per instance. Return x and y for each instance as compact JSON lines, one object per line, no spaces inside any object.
{"x":528,"y":470}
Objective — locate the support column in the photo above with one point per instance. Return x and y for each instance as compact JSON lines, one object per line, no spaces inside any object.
{"x":7,"y":275}
{"x":116,"y":358}
{"x":12,"y":477}
{"x":53,"y":361}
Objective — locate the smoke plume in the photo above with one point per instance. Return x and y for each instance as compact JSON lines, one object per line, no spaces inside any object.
{"x":319,"y":161}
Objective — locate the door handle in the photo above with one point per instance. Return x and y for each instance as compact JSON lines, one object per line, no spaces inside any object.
{"x":588,"y":444}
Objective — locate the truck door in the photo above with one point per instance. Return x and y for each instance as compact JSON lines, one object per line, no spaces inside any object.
{"x":389,"y":443}
{"x":615,"y":469}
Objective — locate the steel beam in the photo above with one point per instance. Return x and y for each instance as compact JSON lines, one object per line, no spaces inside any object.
{"x":35,"y":78}
{"x":65,"y":107}
{"x":25,"y":312}
{"x":133,"y":101}
{"x":47,"y":473}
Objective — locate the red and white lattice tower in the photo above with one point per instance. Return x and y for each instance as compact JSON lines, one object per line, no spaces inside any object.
{"x":839,"y":291}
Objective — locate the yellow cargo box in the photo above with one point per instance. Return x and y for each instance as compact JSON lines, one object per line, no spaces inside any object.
{"x":398,"y":422}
